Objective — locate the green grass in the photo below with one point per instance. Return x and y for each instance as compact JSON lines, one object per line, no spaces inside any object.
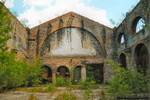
{"x":52,"y":88}
{"x":40,"y":89}
{"x":66,"y":96}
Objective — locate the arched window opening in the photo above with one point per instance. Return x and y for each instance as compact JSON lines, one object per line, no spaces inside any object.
{"x":142,"y":58}
{"x":63,"y":71}
{"x":47,"y":74}
{"x":77,"y":74}
{"x":121,"y":38}
{"x":122,"y":60}
{"x":138,"y":24}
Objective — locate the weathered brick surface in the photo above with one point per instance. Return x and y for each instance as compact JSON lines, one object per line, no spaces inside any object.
{"x":31,"y":41}
{"x":18,"y":34}
{"x":133,"y":39}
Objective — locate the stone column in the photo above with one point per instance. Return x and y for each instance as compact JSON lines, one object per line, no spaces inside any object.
{"x":83,"y":73}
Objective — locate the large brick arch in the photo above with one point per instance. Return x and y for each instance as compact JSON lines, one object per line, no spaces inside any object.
{"x":41,"y":32}
{"x":101,"y":51}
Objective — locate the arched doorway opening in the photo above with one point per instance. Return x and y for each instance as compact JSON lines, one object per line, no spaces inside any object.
{"x":77,"y":74}
{"x":122,"y":60}
{"x":95,"y":72}
{"x":141,"y":58}
{"x":46,"y":74}
{"x":63,"y":71}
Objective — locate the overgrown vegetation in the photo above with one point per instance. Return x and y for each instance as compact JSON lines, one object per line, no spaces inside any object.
{"x":17,"y":73}
{"x":66,"y":96}
{"x":88,"y":85}
{"x":126,"y":82}
{"x":38,"y":89}
{"x":51,"y":87}
{"x":13,"y":72}
{"x":5,"y":27}
{"x":61,"y":81}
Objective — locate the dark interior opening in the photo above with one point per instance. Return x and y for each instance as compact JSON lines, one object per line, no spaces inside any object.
{"x":141,"y":58}
{"x":122,"y":60}
{"x":63,"y":71}
{"x":46,"y":75}
{"x":77,"y":74}
{"x":95,"y":72}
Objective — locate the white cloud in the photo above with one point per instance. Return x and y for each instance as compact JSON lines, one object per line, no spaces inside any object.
{"x":40,"y":11}
{"x":8,"y":3}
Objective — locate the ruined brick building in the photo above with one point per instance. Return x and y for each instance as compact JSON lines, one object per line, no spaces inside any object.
{"x":76,"y":47}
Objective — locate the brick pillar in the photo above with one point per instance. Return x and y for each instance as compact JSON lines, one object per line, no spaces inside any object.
{"x":83,"y":73}
{"x":71,"y":72}
{"x":53,"y":76}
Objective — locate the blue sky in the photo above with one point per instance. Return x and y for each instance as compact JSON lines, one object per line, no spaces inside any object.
{"x":115,"y":8}
{"x":39,"y":11}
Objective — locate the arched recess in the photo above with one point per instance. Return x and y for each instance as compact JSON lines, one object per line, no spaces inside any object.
{"x":141,"y":58}
{"x":46,"y":74}
{"x":122,"y":60}
{"x":47,"y":47}
{"x":138,"y":24}
{"x":95,"y":72}
{"x":121,"y":38}
{"x":77,"y":74}
{"x":63,"y":71}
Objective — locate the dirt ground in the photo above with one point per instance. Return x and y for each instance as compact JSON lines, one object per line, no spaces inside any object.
{"x":20,"y":95}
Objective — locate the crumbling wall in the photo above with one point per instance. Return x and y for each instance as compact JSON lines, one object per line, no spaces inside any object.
{"x":101,"y":33}
{"x":133,"y":38}
{"x":18,"y":36}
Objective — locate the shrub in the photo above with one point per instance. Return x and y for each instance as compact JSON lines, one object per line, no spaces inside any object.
{"x":61,"y":81}
{"x":125,"y":82}
{"x":15,"y":73}
{"x":88,"y":84}
{"x":10,"y":75}
{"x":50,"y":87}
{"x":34,"y":72}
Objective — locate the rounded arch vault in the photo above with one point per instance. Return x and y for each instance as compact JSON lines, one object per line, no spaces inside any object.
{"x":71,"y":42}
